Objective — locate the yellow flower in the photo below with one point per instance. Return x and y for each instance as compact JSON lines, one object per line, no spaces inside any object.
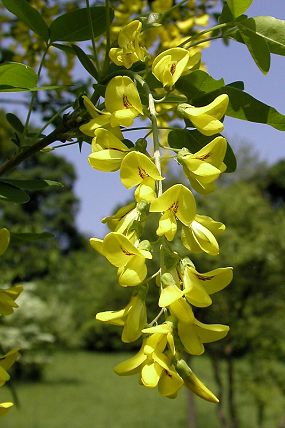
{"x":169,"y":65}
{"x":206,"y":119}
{"x":199,"y":286}
{"x":205,"y":166}
{"x":99,"y":119}
{"x":122,"y":253}
{"x":123,"y":219}
{"x":133,"y":317}
{"x":122,"y":100}
{"x":7,"y":299}
{"x":139,"y":169}
{"x":154,"y":366}
{"x":107,"y":151}
{"x":194,"y":335}
{"x":130,"y":49}
{"x":161,"y":5}
{"x":4,"y":407}
{"x":4,"y":240}
{"x":200,"y":236}
{"x":192,"y":382}
{"x":177,"y":202}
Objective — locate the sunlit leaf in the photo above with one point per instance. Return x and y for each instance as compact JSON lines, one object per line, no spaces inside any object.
{"x":238,"y":7}
{"x":16,"y":75}
{"x":256,"y":44}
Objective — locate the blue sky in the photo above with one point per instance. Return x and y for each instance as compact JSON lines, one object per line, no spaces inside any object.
{"x":100,"y":192}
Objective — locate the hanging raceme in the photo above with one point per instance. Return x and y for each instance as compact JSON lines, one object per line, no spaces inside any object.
{"x":175,"y":330}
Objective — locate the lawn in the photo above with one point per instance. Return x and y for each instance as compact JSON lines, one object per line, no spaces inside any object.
{"x":80,"y":390}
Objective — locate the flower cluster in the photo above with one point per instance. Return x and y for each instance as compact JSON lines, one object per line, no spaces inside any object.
{"x":7,"y":306}
{"x":175,"y":330}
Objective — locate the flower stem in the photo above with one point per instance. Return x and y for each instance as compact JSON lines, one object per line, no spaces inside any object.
{"x":208,"y":30}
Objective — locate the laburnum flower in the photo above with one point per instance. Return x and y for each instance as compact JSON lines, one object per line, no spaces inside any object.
{"x":99,"y":119}
{"x":192,"y":382}
{"x":200,"y":236}
{"x":199,"y":286}
{"x":154,"y":366}
{"x":130,"y":48}
{"x":204,"y":167}
{"x":169,"y":65}
{"x":133,"y":318}
{"x":177,"y":202}
{"x":107,"y":151}
{"x":193,"y":335}
{"x":4,"y":240}
{"x":6,"y":362}
{"x":7,"y":299}
{"x":206,"y":119}
{"x":122,"y":253}
{"x":123,"y":219}
{"x":139,"y":170}
{"x":122,"y":100}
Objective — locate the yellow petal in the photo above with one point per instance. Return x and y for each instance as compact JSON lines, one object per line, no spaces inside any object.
{"x":190,"y":339}
{"x":131,"y":365}
{"x":133,"y":273}
{"x":150,"y":374}
{"x":136,"y":167}
{"x":182,"y":311}
{"x":118,"y":249}
{"x":4,"y":407}
{"x":210,"y":332}
{"x":167,"y":225}
{"x":112,"y":317}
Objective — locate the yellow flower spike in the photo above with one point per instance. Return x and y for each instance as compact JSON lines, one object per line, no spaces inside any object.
{"x":169,"y":292}
{"x":199,"y":286}
{"x":177,"y":202}
{"x":4,"y":407}
{"x":194,"y":335}
{"x":200,"y":236}
{"x":206,"y":119}
{"x":133,"y":317}
{"x":169,"y":65}
{"x":192,"y":382}
{"x":122,"y":100}
{"x":4,"y":240}
{"x":205,"y":166}
{"x":7,"y":299}
{"x":108,"y":151}
{"x":130,"y":49}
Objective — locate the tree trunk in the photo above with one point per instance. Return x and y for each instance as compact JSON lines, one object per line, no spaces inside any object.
{"x":191,"y":411}
{"x":234,"y":423}
{"x":219,"y":381}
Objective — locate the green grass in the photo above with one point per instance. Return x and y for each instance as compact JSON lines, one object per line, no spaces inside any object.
{"x":80,"y":390}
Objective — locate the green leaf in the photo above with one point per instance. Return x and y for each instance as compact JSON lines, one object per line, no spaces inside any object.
{"x":226,"y":15}
{"x":35,"y":89}
{"x":238,"y":7}
{"x":74,"y":26}
{"x":15,"y":122}
{"x":17,"y":75}
{"x":194,"y":141}
{"x":197,"y":83}
{"x":39,"y":184}
{"x":85,"y":61}
{"x":12,"y":194}
{"x":30,"y":16}
{"x":272,"y":30}
{"x":31,"y":236}
{"x":256,"y":44}
{"x":65,"y":48}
